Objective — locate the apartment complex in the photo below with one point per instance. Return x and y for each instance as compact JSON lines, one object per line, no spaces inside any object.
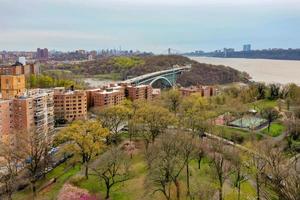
{"x":13,"y":79}
{"x":139,"y":92}
{"x":115,"y":94}
{"x":43,"y":110}
{"x":204,"y":91}
{"x":109,"y":96}
{"x":70,"y":105}
{"x":32,"y":111}
{"x":20,"y":68}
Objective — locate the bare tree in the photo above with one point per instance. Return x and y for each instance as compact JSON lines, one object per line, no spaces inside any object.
{"x":257,"y":167}
{"x":282,"y":177}
{"x":9,"y":162}
{"x":239,"y":169}
{"x":220,"y":163}
{"x":165,"y":161}
{"x":32,"y":150}
{"x":112,"y":168}
{"x":189,"y":150}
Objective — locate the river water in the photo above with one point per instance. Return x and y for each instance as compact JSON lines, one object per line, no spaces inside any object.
{"x":262,"y":70}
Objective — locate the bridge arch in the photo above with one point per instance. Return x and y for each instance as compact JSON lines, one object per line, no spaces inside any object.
{"x":163,"y":79}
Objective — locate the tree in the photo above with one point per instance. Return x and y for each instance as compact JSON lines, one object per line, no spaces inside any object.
{"x":200,"y":151}
{"x":165,"y":162}
{"x":282,"y":176}
{"x":274,"y":91}
{"x":249,"y":94}
{"x":257,"y":167}
{"x":195,"y":115}
{"x":172,"y":99}
{"x":83,"y":138}
{"x":113,"y":118}
{"x":220,"y":163}
{"x":151,"y":121}
{"x":261,"y":89}
{"x":9,"y":161}
{"x":270,"y":114}
{"x":31,"y":147}
{"x":238,"y":167}
{"x":189,"y":150}
{"x":112,"y":167}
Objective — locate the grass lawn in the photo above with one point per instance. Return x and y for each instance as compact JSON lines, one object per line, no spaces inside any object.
{"x":276,"y":129}
{"x":235,"y":134}
{"x":52,"y":191}
{"x":134,"y":189}
{"x":202,"y":180}
{"x":247,"y":192}
{"x":261,"y":104}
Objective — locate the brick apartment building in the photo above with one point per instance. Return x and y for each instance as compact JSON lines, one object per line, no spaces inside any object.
{"x":70,"y":105}
{"x":109,"y":97}
{"x":12,"y":86}
{"x":18,"y":69}
{"x":205,"y":91}
{"x":32,"y":111}
{"x":115,"y":94}
{"x":138,"y":92}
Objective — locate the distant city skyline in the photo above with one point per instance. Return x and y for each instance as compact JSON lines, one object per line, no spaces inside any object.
{"x":184,"y":25}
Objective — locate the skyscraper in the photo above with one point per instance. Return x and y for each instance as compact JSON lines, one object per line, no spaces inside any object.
{"x":42,"y":54}
{"x":247,"y":47}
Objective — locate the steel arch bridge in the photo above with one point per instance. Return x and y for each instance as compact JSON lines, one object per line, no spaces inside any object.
{"x":166,"y":78}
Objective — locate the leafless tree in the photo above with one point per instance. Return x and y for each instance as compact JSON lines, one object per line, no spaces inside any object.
{"x":220,"y":162}
{"x":31,"y":151}
{"x":10,"y":163}
{"x":165,"y":162}
{"x":113,"y":168}
{"x":239,"y":170}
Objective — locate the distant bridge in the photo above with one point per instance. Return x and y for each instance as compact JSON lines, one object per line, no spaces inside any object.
{"x":161,"y":79}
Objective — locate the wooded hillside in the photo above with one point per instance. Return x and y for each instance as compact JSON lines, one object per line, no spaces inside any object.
{"x":134,"y":66}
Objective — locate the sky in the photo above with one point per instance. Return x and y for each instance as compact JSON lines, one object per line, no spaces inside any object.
{"x":149,"y":25}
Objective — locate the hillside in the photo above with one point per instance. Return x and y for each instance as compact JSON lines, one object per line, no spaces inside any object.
{"x":208,"y":74}
{"x":134,"y":66}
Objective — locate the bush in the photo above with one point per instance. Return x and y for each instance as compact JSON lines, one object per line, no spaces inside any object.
{"x":77,"y":179}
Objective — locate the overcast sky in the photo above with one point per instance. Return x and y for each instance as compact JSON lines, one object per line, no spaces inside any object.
{"x":152,"y":25}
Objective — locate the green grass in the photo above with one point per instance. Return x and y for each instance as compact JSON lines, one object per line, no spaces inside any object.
{"x":247,"y":192}
{"x":131,"y":189}
{"x":134,"y":189}
{"x":235,"y":134}
{"x":261,"y":104}
{"x":276,"y":129}
{"x":52,"y":191}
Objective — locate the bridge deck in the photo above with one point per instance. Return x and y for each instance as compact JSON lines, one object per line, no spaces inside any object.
{"x":153,"y":74}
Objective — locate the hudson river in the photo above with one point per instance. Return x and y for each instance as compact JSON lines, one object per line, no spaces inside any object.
{"x":264,"y":70}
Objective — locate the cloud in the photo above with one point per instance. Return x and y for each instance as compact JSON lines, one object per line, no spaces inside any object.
{"x":54,"y":39}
